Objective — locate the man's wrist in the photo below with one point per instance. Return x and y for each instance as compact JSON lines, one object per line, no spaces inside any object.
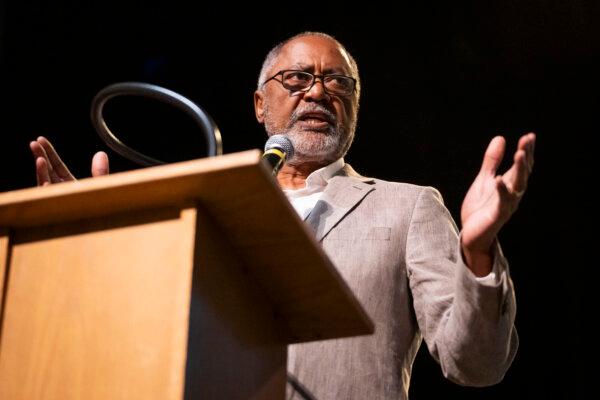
{"x":480,"y":262}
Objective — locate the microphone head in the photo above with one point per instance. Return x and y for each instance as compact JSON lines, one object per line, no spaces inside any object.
{"x":282,"y":143}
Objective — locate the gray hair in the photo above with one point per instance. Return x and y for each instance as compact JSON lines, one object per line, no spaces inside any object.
{"x":275,"y":51}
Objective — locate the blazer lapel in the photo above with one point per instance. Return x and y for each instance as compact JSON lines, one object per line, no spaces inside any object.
{"x":343,"y":193}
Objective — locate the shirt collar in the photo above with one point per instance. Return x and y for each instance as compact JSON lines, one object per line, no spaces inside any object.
{"x":320,"y":177}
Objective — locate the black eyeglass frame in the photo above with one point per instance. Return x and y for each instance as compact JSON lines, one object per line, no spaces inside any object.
{"x":314,"y":80}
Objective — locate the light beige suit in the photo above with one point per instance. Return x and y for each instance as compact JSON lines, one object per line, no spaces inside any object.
{"x":397,"y":247}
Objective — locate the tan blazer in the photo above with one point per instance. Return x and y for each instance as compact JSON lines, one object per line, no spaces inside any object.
{"x":397,"y":247}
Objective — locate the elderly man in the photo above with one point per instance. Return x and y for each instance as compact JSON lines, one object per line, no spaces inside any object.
{"x":394,"y":243}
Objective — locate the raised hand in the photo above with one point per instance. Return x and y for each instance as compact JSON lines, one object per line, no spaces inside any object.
{"x":492,"y":199}
{"x":50,"y":168}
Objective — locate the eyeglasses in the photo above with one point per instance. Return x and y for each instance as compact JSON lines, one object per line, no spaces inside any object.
{"x":302,"y":81}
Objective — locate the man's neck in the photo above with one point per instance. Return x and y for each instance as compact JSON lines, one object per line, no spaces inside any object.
{"x":294,"y":176}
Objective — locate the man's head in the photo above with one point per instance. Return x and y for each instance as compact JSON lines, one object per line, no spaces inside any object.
{"x":320,"y":120}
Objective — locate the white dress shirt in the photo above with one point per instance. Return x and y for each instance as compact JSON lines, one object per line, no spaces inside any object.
{"x":304,"y":199}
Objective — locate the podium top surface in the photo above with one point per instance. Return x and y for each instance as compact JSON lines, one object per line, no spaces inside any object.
{"x":147,"y":188}
{"x":240,"y":195}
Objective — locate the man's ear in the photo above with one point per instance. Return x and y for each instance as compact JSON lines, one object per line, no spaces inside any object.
{"x":258,"y":106}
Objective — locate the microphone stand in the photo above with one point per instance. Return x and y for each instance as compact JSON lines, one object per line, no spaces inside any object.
{"x":201,"y":117}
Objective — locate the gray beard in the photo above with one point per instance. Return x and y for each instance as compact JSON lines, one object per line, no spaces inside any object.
{"x":322,"y":147}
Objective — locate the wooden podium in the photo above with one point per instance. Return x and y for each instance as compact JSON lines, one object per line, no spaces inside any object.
{"x":180,"y":281}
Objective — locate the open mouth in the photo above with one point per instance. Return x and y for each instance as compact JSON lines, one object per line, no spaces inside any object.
{"x":315,"y":120}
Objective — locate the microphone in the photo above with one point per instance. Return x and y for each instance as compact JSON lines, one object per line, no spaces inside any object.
{"x":278,"y":150}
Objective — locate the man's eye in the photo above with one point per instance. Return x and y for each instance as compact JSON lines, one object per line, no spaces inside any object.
{"x":297,"y":76}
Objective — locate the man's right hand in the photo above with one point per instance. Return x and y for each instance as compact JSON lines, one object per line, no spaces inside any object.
{"x":49,"y":168}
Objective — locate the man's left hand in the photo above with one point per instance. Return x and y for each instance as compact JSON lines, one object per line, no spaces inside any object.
{"x":492,"y":199}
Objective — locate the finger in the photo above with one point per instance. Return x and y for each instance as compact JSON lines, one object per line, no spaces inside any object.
{"x":41,"y":172}
{"x":37,"y":149}
{"x":505,"y":193}
{"x":55,"y":161}
{"x":516,"y":178}
{"x":521,"y":173}
{"x":100,"y":164}
{"x":531,"y":151}
{"x":507,"y":196}
{"x":493,"y":155}
{"x":39,"y":152}
{"x":524,"y":144}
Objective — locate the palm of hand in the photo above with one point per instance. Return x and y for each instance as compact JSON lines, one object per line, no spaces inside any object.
{"x":491,"y":199}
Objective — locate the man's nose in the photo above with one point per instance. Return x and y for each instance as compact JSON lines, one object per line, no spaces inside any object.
{"x":317,"y":91}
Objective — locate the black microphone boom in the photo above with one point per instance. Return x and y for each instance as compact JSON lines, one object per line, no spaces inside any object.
{"x":278,"y":149}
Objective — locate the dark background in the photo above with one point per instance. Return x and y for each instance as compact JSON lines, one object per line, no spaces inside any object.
{"x":438,"y":84}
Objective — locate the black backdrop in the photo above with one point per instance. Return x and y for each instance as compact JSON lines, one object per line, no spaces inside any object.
{"x":438,"y":84}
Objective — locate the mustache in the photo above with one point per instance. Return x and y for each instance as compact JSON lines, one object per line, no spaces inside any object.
{"x":297,"y":114}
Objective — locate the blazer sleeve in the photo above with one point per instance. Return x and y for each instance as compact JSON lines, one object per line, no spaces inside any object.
{"x":468,"y":326}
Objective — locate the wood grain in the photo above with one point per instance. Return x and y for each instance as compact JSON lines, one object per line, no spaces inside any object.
{"x":4,"y":254}
{"x":100,"y":312}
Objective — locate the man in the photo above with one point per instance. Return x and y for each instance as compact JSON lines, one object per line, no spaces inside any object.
{"x":395,"y":244}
